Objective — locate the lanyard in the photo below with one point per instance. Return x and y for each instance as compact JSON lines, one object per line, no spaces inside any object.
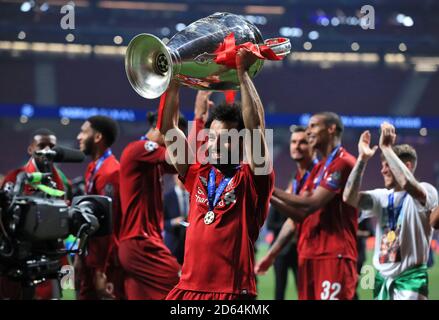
{"x":394,"y":213}
{"x":212,"y":194}
{"x":314,"y":162}
{"x":99,"y":164}
{"x":327,"y":163}
{"x":298,"y":186}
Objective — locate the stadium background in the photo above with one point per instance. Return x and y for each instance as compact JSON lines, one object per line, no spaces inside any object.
{"x":55,"y":78}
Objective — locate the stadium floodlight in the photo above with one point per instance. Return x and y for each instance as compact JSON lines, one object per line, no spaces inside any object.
{"x":27,"y":6}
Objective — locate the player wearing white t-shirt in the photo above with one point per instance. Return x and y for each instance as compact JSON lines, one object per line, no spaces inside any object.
{"x":402,"y":209}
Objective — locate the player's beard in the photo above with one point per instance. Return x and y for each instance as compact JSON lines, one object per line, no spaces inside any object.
{"x":88,"y":146}
{"x":225,"y":167}
{"x":228,"y":170}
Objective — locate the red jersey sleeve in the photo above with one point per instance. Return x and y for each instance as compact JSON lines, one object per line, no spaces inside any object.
{"x":263,"y":184}
{"x":111,"y":188}
{"x":191,"y":176}
{"x":337,"y":175}
{"x":100,"y":248}
{"x":11,"y":177}
{"x":150,"y":152}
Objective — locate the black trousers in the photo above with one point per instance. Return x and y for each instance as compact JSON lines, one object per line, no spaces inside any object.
{"x":283,"y":263}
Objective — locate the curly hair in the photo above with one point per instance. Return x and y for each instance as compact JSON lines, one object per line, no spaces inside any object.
{"x":227,"y":113}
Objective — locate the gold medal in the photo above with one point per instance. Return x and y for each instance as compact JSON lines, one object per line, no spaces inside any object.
{"x":209,"y":217}
{"x":391,"y":236}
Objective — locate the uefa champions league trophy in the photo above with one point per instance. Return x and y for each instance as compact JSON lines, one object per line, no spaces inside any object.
{"x":201,"y":56}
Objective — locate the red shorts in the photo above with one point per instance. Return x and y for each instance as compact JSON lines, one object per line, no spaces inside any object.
{"x":150,"y":269}
{"x":180,"y":294}
{"x":327,"y":279}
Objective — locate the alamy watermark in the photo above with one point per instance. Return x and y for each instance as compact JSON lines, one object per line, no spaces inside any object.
{"x":67,"y":281}
{"x":367,"y":279}
{"x":367,"y":20}
{"x":228,"y":147}
{"x":68,"y":20}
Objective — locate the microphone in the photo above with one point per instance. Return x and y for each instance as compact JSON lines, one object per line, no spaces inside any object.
{"x":64,"y":154}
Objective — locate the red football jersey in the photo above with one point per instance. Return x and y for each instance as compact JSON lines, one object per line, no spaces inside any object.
{"x":331,"y":231}
{"x":143,"y":164}
{"x":105,"y":183}
{"x":219,"y":257}
{"x":30,"y":167}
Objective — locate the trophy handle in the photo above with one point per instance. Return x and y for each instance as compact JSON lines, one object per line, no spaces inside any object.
{"x":148,"y":65}
{"x":280,"y":46}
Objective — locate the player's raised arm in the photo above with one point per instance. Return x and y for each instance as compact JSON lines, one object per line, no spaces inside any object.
{"x":352,"y":194}
{"x":403,"y":175}
{"x":202,"y":105}
{"x":253,"y":115}
{"x":196,"y":136}
{"x":177,"y":146}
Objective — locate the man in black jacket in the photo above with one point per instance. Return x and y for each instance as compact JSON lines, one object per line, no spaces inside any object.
{"x":176,"y":208}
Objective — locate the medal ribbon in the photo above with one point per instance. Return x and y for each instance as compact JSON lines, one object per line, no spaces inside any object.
{"x":160,"y":111}
{"x":212,"y":194}
{"x":230,"y":96}
{"x":99,"y":164}
{"x":327,"y":164}
{"x":394,"y":214}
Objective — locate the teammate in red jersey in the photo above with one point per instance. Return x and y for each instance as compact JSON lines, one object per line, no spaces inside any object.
{"x":328,"y":226}
{"x":97,"y":136}
{"x":228,"y":198}
{"x":41,"y":139}
{"x":151,"y":270}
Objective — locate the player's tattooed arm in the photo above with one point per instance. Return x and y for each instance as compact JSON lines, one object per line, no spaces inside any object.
{"x":296,"y":214}
{"x":284,"y":236}
{"x":402,"y":174}
{"x":301,"y":206}
{"x":434,"y":218}
{"x":253,"y":115}
{"x":352,"y":194}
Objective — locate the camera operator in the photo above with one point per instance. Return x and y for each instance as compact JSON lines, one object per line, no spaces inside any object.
{"x":99,"y":274}
{"x":41,"y":140}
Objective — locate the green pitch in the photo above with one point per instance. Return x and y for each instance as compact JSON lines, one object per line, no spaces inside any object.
{"x":266,"y":282}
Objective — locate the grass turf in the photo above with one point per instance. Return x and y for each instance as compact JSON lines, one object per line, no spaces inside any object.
{"x":266,"y":282}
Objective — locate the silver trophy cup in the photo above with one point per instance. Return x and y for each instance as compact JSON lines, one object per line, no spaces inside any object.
{"x":189,"y":56}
